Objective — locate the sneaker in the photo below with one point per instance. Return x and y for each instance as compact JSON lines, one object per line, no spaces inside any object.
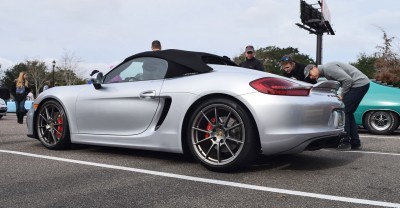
{"x":356,"y":147}
{"x":344,"y":146}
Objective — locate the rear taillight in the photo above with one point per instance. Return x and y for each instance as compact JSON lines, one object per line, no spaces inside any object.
{"x":278,"y":86}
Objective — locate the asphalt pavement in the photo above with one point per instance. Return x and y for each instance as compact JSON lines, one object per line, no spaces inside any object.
{"x":93,"y":176}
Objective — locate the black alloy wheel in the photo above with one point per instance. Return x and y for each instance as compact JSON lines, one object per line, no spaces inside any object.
{"x":52,"y":126}
{"x":222,"y":136}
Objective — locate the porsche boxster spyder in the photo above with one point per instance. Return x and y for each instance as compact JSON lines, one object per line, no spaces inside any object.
{"x":194,"y":103}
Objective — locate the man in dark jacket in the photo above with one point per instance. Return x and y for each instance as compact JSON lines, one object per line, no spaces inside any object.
{"x":251,"y":62}
{"x":294,"y":70}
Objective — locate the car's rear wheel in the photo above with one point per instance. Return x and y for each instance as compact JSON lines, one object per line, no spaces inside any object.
{"x":381,"y":122}
{"x":222,"y":136}
{"x":52,"y":126}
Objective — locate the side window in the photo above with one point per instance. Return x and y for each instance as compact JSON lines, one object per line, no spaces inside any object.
{"x":138,"y":69}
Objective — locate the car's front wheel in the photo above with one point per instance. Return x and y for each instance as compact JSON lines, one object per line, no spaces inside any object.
{"x":222,"y":136}
{"x":381,"y":122}
{"x":52,"y":126}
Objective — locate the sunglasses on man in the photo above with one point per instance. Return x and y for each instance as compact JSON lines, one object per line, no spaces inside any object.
{"x":249,"y":52}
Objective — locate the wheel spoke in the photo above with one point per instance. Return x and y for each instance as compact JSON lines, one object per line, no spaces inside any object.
{"x":227,"y":119}
{"x":232,"y":127}
{"x":47,"y":113}
{"x":45,"y":119}
{"x":204,"y":115}
{"x":202,"y":130}
{"x":219,"y":152}
{"x":54,"y":136}
{"x":209,"y":150}
{"x":216,"y":116}
{"x":57,"y":131}
{"x":229,"y":149}
{"x":206,"y":139}
{"x":235,"y":140}
{"x":46,"y":135}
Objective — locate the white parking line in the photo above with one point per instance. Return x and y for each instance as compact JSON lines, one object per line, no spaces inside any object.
{"x":364,"y":152}
{"x":212,"y":181}
{"x":379,"y":137}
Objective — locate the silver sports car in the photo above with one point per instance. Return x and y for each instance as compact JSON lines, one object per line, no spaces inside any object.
{"x":195,"y":103}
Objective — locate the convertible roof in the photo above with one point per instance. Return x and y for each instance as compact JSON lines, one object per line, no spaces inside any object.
{"x":194,"y":60}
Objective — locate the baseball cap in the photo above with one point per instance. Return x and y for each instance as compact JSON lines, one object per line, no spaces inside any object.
{"x":249,"y":48}
{"x":286,"y":58}
{"x":307,"y":70}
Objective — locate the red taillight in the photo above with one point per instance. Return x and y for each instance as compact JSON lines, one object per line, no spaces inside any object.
{"x":278,"y":86}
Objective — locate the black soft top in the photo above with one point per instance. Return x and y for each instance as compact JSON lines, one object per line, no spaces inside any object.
{"x":196,"y":61}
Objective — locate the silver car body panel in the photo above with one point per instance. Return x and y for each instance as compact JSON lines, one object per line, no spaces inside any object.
{"x":126,"y":114}
{"x":3,"y":107}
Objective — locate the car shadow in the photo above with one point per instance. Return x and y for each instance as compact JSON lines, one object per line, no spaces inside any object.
{"x":306,"y":161}
{"x":135,"y":153}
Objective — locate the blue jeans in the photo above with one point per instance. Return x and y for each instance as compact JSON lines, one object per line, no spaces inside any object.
{"x":351,"y":101}
{"x":20,"y":107}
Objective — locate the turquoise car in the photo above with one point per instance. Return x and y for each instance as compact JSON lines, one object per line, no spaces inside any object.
{"x":11,"y":105}
{"x":379,"y":111}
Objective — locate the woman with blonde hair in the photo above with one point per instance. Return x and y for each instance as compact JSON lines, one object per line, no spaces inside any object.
{"x":20,"y":90}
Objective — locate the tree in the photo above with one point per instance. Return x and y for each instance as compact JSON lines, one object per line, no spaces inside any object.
{"x":10,"y":75}
{"x":387,"y":62}
{"x":67,"y":77}
{"x":67,"y":71}
{"x":36,"y":71}
{"x":270,"y":57}
{"x":37,"y":75}
{"x":366,"y":64}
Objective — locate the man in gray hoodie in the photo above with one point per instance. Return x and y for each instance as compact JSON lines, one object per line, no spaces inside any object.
{"x":354,"y":85}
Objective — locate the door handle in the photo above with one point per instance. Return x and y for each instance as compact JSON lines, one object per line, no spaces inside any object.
{"x":151,"y":94}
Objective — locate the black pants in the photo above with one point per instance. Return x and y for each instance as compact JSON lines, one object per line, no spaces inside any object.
{"x":351,"y":101}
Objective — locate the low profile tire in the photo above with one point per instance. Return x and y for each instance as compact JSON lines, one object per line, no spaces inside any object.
{"x":52,"y":126}
{"x":381,"y":122}
{"x":221,"y":136}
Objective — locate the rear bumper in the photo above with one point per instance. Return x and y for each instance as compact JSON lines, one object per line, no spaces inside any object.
{"x":293,"y":144}
{"x":331,"y":141}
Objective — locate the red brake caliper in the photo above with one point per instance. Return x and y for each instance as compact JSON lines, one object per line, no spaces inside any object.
{"x":60,"y":126}
{"x":209,"y":127}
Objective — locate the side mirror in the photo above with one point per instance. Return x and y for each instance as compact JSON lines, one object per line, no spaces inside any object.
{"x":97,"y":82}
{"x":94,"y":72}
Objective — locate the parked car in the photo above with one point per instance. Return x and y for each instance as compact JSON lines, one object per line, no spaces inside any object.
{"x":194,"y":103}
{"x":3,"y":108}
{"x":11,"y":105}
{"x":379,"y":111}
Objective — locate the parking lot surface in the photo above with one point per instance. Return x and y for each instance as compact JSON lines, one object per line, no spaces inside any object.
{"x":92,"y":176}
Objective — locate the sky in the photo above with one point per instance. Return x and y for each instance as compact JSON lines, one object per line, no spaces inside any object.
{"x":102,"y":33}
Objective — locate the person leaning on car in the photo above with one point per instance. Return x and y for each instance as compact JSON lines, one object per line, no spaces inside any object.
{"x":251,"y":62}
{"x":354,"y":85}
{"x":294,"y":70}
